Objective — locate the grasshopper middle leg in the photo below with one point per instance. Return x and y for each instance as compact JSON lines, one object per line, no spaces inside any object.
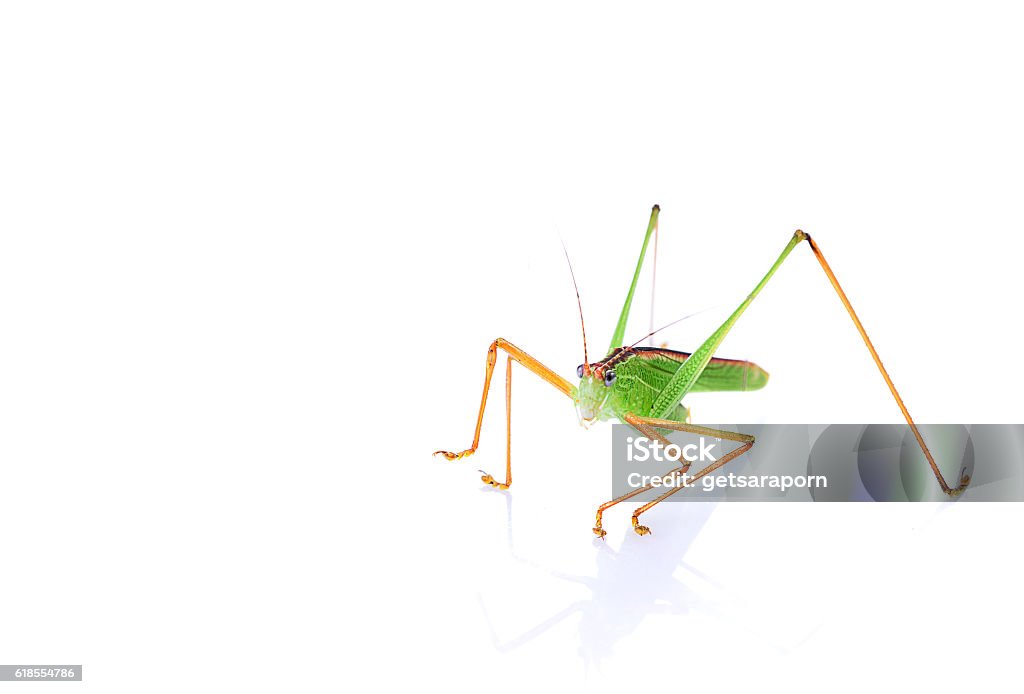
{"x":648,"y":426}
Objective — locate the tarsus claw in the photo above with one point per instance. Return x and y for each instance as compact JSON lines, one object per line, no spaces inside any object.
{"x":453,"y":456}
{"x":640,"y":529}
{"x":487,"y":479}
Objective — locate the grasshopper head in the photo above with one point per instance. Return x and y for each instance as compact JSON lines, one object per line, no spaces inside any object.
{"x":592,"y":394}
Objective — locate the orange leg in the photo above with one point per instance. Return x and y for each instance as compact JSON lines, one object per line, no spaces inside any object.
{"x":965,"y":479}
{"x":508,"y":433}
{"x":746,"y":439}
{"x":648,"y":427}
{"x":514,"y":353}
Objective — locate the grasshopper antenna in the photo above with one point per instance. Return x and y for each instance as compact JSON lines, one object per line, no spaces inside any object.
{"x":669,"y":325}
{"x":583,"y":327}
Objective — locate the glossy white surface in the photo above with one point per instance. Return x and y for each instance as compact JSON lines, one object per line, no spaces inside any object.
{"x":251,"y":260}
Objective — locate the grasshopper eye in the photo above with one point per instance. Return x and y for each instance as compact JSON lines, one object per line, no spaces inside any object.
{"x":579,"y":371}
{"x":609,"y":378}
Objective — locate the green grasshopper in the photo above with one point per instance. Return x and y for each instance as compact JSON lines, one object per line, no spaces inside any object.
{"x":644,"y":386}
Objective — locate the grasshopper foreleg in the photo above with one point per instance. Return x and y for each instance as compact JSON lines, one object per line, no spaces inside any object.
{"x":518,"y":355}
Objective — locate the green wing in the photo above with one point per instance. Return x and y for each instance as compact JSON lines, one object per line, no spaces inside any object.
{"x":720,"y":375}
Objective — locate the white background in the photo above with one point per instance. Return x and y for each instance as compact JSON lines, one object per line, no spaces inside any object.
{"x":252,"y":257}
